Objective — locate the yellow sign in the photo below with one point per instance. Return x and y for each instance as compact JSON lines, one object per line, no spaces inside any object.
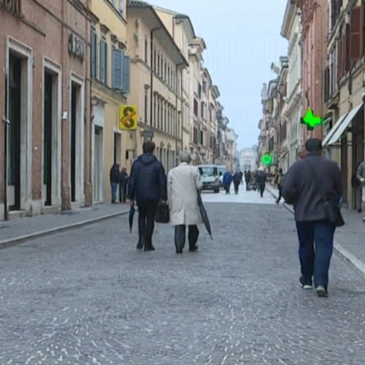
{"x":128,"y":117}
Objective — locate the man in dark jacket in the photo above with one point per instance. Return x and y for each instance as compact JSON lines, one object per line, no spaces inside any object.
{"x":300,"y":187}
{"x":147,"y":186}
{"x":261,"y":181}
{"x":247,"y":179}
{"x":237,"y":179}
{"x":123,"y":184}
{"x":114,"y":181}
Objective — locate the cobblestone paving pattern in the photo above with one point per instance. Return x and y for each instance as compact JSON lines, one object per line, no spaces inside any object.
{"x":87,"y":297}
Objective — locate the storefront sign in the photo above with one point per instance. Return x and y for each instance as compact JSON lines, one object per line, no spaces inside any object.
{"x":128,"y":117}
{"x":14,"y":6}
{"x":76,"y":46}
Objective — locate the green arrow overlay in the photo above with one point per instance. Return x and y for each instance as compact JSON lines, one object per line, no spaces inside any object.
{"x":311,"y":120}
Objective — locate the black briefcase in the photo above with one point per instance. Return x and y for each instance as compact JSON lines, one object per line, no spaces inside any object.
{"x":163,"y":214}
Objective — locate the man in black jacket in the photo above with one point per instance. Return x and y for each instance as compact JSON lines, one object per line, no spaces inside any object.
{"x":300,"y":187}
{"x":147,"y":186}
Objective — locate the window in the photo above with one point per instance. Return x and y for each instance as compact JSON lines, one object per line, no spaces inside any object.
{"x":154,"y":60}
{"x":165,"y":73}
{"x":103,"y":61}
{"x":154,"y":110}
{"x":94,"y":54}
{"x":199,"y":90}
{"x":195,"y":107}
{"x":146,"y":106}
{"x":121,"y":71}
{"x":335,"y":11}
{"x":146,"y":50}
{"x":158,"y":64}
{"x":202,"y":110}
{"x":205,"y":87}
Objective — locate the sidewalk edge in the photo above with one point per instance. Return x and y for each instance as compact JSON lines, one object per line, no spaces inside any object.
{"x":343,"y":254}
{"x":11,"y":242}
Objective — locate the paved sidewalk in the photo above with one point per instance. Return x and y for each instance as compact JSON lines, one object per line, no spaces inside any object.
{"x":349,"y":239}
{"x":19,"y":230}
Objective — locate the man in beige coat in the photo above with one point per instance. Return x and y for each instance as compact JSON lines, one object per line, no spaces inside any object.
{"x":184,"y":181}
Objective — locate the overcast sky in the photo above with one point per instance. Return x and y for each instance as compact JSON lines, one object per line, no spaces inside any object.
{"x":243,"y":38}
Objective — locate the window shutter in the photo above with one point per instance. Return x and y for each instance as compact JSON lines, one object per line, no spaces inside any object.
{"x":94,"y":54}
{"x":347,"y":49}
{"x":339,"y":59}
{"x":356,"y":37}
{"x":326,"y":84}
{"x":117,"y":69}
{"x":127,"y":75}
{"x":102,"y":61}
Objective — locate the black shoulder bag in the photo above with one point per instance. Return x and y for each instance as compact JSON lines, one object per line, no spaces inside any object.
{"x":333,"y":212}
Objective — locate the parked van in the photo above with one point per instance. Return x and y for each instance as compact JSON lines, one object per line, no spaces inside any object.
{"x":209,"y":174}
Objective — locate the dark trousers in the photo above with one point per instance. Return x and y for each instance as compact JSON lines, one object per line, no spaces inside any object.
{"x":227,"y":187}
{"x":247,"y":183}
{"x":261,"y":189}
{"x":279,"y":196}
{"x":315,"y":250}
{"x":114,"y":187}
{"x":122,"y":193}
{"x":180,"y":236}
{"x":236,"y":187}
{"x":146,"y":221}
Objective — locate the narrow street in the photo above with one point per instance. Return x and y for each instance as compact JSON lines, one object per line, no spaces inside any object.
{"x":88,"y":297}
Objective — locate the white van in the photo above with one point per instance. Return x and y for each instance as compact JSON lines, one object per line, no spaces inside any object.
{"x":209,"y":174}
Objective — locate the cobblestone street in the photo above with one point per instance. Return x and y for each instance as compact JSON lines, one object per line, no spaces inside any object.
{"x":88,"y":297}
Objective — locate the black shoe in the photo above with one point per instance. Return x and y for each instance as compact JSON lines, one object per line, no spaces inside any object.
{"x":307,"y":285}
{"x":149,"y":248}
{"x":140,"y":245}
{"x":193,"y":249}
{"x":179,"y":251}
{"x":321,"y":291}
{"x":359,"y":210}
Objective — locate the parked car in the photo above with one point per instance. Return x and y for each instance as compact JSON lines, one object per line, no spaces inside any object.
{"x":209,"y":175}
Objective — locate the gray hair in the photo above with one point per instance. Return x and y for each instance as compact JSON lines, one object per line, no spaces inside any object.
{"x":185,"y":156}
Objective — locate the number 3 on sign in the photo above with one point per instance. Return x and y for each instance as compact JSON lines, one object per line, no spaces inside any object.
{"x":128,"y":117}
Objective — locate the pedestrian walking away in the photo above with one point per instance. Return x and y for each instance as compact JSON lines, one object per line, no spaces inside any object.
{"x":147,"y":186}
{"x":114,"y":181}
{"x":314,"y":228}
{"x":184,"y":182}
{"x":227,"y":181}
{"x":277,"y":182}
{"x":261,"y":181}
{"x":360,"y":174}
{"x":237,"y":179}
{"x":247,"y":179}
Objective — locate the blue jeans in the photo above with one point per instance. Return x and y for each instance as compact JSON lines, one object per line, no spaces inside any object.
{"x":114,"y":192}
{"x":315,"y":250}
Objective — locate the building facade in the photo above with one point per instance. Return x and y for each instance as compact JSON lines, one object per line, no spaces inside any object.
{"x":110,"y":73}
{"x":44,"y":98}
{"x":313,"y":40}
{"x":291,"y":30}
{"x":344,"y":91}
{"x":156,"y":76}
{"x":248,"y":159}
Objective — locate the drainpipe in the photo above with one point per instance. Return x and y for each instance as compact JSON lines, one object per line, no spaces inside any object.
{"x":182,"y":109}
{"x":151,"y":80}
{"x":6,"y":122}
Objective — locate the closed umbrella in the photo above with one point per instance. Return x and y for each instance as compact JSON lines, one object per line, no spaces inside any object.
{"x":131,"y":216}
{"x":204,"y":215}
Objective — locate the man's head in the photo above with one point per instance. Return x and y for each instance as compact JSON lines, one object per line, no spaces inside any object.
{"x":148,"y":147}
{"x":185,"y":156}
{"x":314,"y":146}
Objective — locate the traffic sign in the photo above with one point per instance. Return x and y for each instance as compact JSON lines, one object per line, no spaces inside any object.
{"x":128,"y":117}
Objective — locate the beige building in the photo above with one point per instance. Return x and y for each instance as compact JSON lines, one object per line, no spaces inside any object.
{"x":344,"y":90}
{"x":182,"y":31}
{"x":110,"y":72}
{"x":156,"y":83}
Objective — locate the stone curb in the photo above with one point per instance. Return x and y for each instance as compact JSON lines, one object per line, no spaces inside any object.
{"x":11,"y":242}
{"x":344,"y":254}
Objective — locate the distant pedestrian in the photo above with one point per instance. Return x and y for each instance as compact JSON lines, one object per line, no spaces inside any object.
{"x":277,"y":182}
{"x":248,"y":179}
{"x":303,"y":186}
{"x":261,"y":181}
{"x":123,"y":184}
{"x":184,"y":181}
{"x":360,"y":174}
{"x":114,"y":181}
{"x":237,"y":179}
{"x":227,"y":181}
{"x":147,"y":186}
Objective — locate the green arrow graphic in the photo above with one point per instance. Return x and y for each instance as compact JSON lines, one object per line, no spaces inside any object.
{"x":311,"y":120}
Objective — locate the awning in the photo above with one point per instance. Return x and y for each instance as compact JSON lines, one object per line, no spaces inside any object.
{"x":344,"y":125}
{"x":333,"y":130}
